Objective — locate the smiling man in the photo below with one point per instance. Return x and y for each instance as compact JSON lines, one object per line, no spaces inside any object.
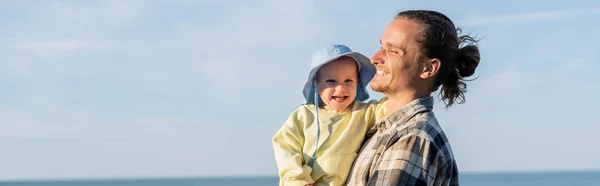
{"x":421,"y":51}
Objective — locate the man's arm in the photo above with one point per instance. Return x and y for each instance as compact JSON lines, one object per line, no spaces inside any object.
{"x":287,"y":144}
{"x":410,"y":161}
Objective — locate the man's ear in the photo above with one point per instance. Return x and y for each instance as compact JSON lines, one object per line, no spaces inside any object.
{"x":430,"y":68}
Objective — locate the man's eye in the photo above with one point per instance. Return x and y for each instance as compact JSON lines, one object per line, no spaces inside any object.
{"x":393,"y":51}
{"x":389,"y":50}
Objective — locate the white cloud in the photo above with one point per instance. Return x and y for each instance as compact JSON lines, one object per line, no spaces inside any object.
{"x":527,"y":17}
{"x":577,"y":64}
{"x":50,"y":48}
{"x":122,"y":12}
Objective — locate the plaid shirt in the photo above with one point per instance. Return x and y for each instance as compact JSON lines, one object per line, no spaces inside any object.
{"x":407,"y":147}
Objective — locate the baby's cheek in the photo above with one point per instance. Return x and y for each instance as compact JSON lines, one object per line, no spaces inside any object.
{"x":325,"y":93}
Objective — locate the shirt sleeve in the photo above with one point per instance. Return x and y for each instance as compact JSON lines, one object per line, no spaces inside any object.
{"x":287,"y":144}
{"x":412,"y":160}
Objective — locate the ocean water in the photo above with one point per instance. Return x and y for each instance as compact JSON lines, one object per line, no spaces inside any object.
{"x":479,"y":179}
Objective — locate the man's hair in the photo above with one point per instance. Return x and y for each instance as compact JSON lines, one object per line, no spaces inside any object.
{"x":459,"y":55}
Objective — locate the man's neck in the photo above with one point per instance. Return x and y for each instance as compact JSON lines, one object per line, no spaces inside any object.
{"x":400,"y":99}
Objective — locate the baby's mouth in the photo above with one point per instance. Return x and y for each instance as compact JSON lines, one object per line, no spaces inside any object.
{"x":339,"y":98}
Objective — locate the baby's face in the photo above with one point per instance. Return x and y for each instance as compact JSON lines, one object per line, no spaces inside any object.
{"x":337,"y":82}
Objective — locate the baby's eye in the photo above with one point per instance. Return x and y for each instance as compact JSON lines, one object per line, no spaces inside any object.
{"x":349,"y":81}
{"x":330,"y":81}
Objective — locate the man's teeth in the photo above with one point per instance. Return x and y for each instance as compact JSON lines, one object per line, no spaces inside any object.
{"x":380,"y":72}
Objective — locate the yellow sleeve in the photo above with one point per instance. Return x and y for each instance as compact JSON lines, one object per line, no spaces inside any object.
{"x":380,"y":109}
{"x":370,"y":114}
{"x":287,"y":144}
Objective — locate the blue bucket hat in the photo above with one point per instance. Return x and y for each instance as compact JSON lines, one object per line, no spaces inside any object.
{"x":366,"y":70}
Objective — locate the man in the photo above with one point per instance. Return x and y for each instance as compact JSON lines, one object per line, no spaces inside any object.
{"x":420,"y":52}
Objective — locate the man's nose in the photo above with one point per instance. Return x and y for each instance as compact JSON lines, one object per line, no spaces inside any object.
{"x":377,"y":58}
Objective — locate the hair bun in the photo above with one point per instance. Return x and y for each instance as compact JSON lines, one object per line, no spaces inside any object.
{"x":467,"y":60}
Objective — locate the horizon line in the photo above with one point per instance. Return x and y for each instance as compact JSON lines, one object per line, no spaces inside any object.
{"x":220,"y":177}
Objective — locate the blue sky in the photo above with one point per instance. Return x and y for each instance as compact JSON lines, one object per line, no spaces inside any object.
{"x":116,"y":88}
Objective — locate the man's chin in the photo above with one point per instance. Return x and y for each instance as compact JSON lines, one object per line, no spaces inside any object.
{"x":379,"y":88}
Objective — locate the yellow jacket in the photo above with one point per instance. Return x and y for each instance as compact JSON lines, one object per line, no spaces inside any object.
{"x":342,"y":134}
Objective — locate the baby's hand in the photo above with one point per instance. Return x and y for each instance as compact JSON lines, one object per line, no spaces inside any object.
{"x":312,"y":184}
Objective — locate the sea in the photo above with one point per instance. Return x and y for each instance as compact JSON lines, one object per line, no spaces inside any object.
{"x":589,"y":178}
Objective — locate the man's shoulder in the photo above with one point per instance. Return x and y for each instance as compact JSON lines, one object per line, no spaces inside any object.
{"x":426,"y":127}
{"x":423,"y":124}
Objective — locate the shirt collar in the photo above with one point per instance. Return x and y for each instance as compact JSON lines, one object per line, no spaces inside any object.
{"x":417,"y":105}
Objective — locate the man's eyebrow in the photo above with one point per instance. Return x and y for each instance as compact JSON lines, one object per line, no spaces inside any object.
{"x":389,"y":44}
